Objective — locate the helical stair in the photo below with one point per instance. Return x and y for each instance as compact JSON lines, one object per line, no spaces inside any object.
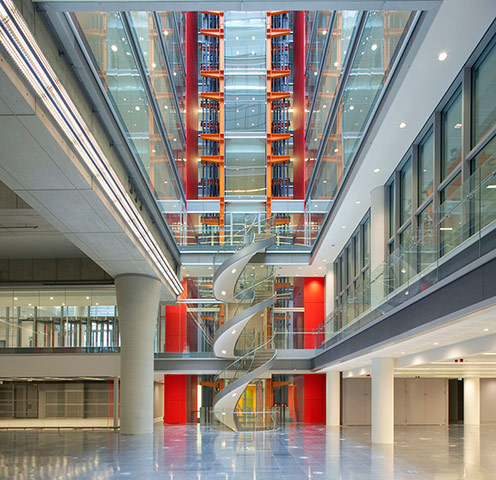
{"x":246,"y":292}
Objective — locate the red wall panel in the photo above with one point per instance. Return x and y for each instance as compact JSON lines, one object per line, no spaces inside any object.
{"x":315,"y":390}
{"x":314,"y":307}
{"x":174,"y":398}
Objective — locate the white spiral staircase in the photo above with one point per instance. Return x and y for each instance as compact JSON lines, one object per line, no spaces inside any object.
{"x":246,"y":294}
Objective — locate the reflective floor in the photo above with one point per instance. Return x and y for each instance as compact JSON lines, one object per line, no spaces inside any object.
{"x":297,"y":452}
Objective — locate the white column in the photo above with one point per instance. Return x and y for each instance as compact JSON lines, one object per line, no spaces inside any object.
{"x":378,"y":224}
{"x":333,"y":399}
{"x":137,"y":302}
{"x":471,"y":401}
{"x":382,"y":400}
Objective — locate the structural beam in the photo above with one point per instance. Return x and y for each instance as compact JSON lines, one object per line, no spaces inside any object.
{"x":245,"y":5}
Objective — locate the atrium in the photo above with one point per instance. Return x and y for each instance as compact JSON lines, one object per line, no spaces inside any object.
{"x":247,"y":243}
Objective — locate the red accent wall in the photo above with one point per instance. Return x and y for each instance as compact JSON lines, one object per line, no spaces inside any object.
{"x":176,"y":322}
{"x":315,"y":401}
{"x":180,"y":398}
{"x":191,"y":58}
{"x":299,"y":105}
{"x":314,"y":306}
{"x":175,"y":398}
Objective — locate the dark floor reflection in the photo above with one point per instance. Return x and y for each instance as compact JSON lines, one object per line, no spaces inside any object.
{"x":296,"y":452}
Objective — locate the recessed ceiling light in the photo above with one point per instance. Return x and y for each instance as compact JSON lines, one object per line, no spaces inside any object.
{"x":336,"y":64}
{"x":377,"y":170}
{"x":373,"y":47}
{"x":51,"y":298}
{"x":233,"y":270}
{"x":324,"y":32}
{"x":436,"y":343}
{"x":224,"y":352}
{"x":234,"y":394}
{"x":87,"y":298}
{"x":319,"y":268}
{"x":402,"y":125}
{"x":233,"y":332}
{"x":458,"y":125}
{"x":114,"y":48}
{"x":137,"y":108}
{"x":442,"y":56}
{"x":352,"y":107}
{"x":343,"y":226}
{"x":223,"y":292}
{"x":486,"y":329}
{"x":315,"y":73}
{"x":358,"y":202}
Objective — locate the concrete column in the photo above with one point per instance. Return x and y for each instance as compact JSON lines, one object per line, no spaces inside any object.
{"x":378,"y":239}
{"x":471,"y":401}
{"x":333,"y":399}
{"x":137,"y":302}
{"x":382,"y":400}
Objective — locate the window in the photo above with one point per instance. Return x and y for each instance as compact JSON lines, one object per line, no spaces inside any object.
{"x":427,"y":242}
{"x":484,"y":94}
{"x":451,"y":227}
{"x":452,"y":136}
{"x":426,"y":168}
{"x":406,"y":192}
{"x":391,"y":210}
{"x":485,"y":163}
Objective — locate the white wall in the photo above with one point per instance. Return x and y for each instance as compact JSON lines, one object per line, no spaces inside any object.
{"x":487,"y":400}
{"x":60,"y":365}
{"x":422,"y":401}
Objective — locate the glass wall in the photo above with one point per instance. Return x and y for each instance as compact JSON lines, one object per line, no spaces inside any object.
{"x":352,"y":276}
{"x":128,"y":58}
{"x":439,"y":201}
{"x":372,"y":57}
{"x":58,"y":318}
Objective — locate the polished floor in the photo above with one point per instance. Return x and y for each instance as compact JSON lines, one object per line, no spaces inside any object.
{"x":296,"y":452}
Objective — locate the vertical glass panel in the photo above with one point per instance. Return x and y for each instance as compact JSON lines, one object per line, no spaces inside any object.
{"x":452,"y":136}
{"x":349,"y":255}
{"x":162,"y":86}
{"x":484,"y":95}
{"x":407,"y":263}
{"x":450,"y":225}
{"x":406,"y":192}
{"x":366,"y":243}
{"x":376,"y":52}
{"x":356,"y":250}
{"x":427,"y":241}
{"x":391,"y":207}
{"x":485,"y":176}
{"x":426,"y":167}
{"x":316,"y":53}
{"x":245,"y":105}
{"x":173,"y":39}
{"x":344,"y":27}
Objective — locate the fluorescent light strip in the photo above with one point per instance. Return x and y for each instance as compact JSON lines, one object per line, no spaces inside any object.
{"x":22,"y":47}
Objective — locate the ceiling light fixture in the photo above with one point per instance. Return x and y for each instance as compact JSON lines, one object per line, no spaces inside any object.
{"x":358,"y":202}
{"x":377,"y":170}
{"x":373,"y":47}
{"x":402,"y":125}
{"x":442,"y":56}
